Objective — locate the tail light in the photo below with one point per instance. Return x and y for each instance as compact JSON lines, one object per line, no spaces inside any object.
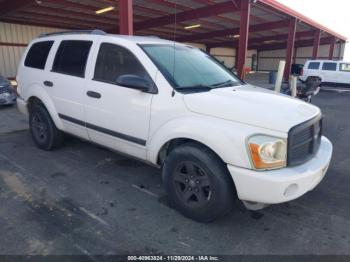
{"x":301,"y":71}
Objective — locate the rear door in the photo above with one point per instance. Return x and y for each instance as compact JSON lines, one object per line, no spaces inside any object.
{"x":66,"y":83}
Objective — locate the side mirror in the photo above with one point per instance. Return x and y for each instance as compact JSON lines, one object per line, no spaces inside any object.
{"x":134,"y":82}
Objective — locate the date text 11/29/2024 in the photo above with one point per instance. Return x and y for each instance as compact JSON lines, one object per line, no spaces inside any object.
{"x":173,"y":258}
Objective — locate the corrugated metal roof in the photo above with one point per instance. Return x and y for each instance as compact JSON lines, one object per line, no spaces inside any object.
{"x":80,"y":14}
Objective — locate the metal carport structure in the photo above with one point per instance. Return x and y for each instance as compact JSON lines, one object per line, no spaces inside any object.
{"x":239,"y":24}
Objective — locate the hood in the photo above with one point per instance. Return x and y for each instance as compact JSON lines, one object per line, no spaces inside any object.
{"x":252,"y":106}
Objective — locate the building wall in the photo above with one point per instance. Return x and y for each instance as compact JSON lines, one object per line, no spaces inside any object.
{"x":13,"y":41}
{"x":269,"y":60}
{"x":228,"y":56}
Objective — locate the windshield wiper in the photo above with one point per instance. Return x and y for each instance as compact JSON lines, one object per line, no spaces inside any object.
{"x":227,"y":83}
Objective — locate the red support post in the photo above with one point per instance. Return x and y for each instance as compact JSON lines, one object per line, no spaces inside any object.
{"x":331,"y":48}
{"x":290,"y":48}
{"x":126,"y":17}
{"x":243,"y":39}
{"x":317,"y":39}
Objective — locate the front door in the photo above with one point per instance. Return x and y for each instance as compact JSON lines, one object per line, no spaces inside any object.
{"x":117,"y":117}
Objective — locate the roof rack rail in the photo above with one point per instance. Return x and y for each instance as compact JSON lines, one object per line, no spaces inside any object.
{"x":77,"y":32}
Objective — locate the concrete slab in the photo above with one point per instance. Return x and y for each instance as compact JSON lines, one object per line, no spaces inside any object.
{"x":11,"y":120}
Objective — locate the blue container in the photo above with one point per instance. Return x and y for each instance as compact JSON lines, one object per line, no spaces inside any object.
{"x":272,"y":77}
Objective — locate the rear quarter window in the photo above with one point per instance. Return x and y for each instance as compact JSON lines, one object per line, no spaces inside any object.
{"x":37,"y":54}
{"x":345,"y":67}
{"x":314,"y":65}
{"x":329,"y":66}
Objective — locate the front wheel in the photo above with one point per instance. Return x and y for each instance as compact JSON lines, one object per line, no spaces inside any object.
{"x":198,"y":183}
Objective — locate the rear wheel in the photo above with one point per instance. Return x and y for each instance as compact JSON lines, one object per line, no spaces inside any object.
{"x":45,"y":134}
{"x":198,"y":183}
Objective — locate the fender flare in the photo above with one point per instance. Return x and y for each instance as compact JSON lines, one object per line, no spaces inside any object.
{"x":40,"y":93}
{"x":206,"y":132}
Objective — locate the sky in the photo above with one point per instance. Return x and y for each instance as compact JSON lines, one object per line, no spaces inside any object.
{"x":333,"y":14}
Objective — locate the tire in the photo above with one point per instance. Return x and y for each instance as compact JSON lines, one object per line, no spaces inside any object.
{"x":198,"y":183}
{"x":44,"y":133}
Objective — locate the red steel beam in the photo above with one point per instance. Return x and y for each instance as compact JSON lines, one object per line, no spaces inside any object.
{"x":290,"y":48}
{"x":233,"y":31}
{"x":183,"y":7}
{"x":206,"y":11}
{"x":60,"y":19}
{"x":7,"y":7}
{"x":72,"y":13}
{"x":126,"y":17}
{"x":300,"y":43}
{"x":40,"y":22}
{"x":261,"y":40}
{"x":331,"y":48}
{"x":243,"y":39}
{"x":316,"y":46}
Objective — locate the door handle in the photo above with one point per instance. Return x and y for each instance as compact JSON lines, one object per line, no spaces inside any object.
{"x":48,"y":83}
{"x":93,"y":94}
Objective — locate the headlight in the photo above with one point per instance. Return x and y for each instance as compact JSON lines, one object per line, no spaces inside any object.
{"x":267,"y":152}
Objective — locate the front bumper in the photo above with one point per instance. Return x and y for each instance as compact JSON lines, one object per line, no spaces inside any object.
{"x":282,"y":185}
{"x":7,"y":98}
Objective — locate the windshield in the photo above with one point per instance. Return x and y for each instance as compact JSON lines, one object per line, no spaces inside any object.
{"x":190,"y":68}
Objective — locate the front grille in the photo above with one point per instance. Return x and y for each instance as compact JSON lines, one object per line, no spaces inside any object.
{"x":304,"y":141}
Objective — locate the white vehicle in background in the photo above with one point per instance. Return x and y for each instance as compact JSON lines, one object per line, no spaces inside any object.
{"x":215,"y":137}
{"x":328,"y":71}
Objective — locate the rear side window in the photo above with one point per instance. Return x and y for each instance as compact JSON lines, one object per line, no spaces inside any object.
{"x":114,"y":61}
{"x":37,"y":54}
{"x":71,"y":57}
{"x":345,"y":67}
{"x":329,"y":66}
{"x":314,"y":65}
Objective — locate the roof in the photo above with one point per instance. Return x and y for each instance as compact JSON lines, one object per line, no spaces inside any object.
{"x":219,"y":20}
{"x":91,"y":34}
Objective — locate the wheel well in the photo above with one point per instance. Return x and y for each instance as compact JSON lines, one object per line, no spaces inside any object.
{"x":32,"y":101}
{"x":172,"y":144}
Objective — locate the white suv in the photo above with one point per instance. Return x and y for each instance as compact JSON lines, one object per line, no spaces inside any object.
{"x":327,"y":70}
{"x":175,"y":107}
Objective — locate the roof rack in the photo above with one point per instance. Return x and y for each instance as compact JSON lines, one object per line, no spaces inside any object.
{"x":75,"y":32}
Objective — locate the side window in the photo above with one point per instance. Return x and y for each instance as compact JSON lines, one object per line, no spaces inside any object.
{"x":114,"y":61}
{"x":71,"y":57}
{"x":345,"y":67}
{"x":329,"y":66}
{"x":314,"y":65}
{"x":37,"y":54}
